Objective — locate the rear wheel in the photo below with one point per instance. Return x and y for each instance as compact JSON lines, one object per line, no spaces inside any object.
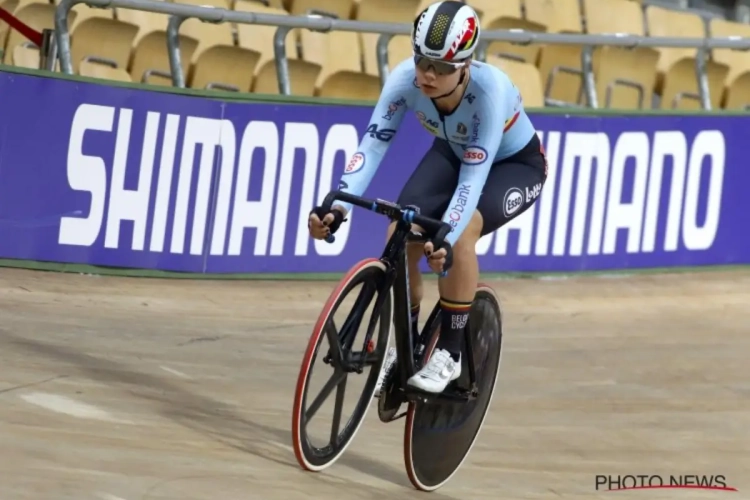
{"x":346,"y":347}
{"x":439,"y":434}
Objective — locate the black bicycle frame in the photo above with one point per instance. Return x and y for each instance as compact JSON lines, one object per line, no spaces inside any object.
{"x":397,"y":277}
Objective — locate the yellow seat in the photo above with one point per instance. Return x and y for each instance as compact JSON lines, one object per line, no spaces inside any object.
{"x":559,"y":65}
{"x":26,"y":56}
{"x":96,"y":33}
{"x":149,"y":62}
{"x":103,"y":71}
{"x":259,"y":39}
{"x":736,"y":92}
{"x":399,"y":48}
{"x":386,"y":11}
{"x":37,"y":14}
{"x":625,"y":77}
{"x":525,"y":76}
{"x":506,"y":15}
{"x":677,"y":83}
{"x":338,"y":53}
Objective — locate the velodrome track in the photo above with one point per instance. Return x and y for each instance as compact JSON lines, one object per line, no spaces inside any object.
{"x":115,"y":388}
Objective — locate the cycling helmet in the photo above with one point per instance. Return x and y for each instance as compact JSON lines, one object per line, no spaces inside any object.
{"x":446,"y":31}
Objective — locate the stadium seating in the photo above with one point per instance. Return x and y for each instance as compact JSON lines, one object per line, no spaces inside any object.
{"x":130,"y":45}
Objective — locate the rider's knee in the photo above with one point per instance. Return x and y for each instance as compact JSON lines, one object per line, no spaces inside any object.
{"x":468,"y":241}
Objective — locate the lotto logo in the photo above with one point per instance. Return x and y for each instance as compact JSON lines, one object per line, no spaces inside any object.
{"x":533,"y":193}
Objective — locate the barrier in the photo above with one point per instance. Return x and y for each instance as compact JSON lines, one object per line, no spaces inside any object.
{"x":132,"y":178}
{"x":179,"y":12}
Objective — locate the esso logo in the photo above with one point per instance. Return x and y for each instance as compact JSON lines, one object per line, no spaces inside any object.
{"x":513,"y":201}
{"x":356,"y":163}
{"x":475,"y":155}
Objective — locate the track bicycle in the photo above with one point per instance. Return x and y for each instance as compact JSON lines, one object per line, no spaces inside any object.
{"x":440,"y":429}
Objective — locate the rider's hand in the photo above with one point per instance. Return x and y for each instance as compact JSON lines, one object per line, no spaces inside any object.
{"x":321,"y":228}
{"x":439,"y":260}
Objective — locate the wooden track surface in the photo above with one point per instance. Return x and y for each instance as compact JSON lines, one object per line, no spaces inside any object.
{"x":134,"y":389}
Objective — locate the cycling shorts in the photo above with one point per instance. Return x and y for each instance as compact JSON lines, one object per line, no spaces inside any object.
{"x":512,"y":186}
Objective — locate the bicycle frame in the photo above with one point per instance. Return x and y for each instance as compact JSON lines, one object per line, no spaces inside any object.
{"x":397,"y":278}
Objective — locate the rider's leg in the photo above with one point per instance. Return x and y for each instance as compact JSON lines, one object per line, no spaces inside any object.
{"x":511,"y":188}
{"x":414,"y":253}
{"x":457,"y":289}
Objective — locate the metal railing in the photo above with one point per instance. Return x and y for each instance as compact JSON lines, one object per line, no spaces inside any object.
{"x":180,"y":12}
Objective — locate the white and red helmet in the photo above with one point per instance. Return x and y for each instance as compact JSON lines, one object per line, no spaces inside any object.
{"x":446,"y":31}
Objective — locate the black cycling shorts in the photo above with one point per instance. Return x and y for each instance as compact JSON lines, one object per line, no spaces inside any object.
{"x":512,"y":186}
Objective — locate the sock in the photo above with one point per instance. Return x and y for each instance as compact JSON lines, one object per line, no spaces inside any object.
{"x":454,"y":316}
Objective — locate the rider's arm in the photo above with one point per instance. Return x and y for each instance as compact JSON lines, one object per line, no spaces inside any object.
{"x":386,"y":118}
{"x":487,"y":129}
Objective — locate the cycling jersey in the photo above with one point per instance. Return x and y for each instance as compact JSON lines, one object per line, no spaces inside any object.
{"x":489,"y":124}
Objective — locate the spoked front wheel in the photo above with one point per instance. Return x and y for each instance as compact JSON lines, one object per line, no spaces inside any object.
{"x":339,"y":352}
{"x":440,"y":433}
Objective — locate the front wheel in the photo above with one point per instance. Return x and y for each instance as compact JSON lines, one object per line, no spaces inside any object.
{"x":439,"y":434}
{"x":346,"y":353}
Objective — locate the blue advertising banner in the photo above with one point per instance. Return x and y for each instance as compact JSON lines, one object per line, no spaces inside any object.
{"x":126,"y":177}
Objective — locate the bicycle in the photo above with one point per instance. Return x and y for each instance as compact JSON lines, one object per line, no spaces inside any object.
{"x":440,"y":429}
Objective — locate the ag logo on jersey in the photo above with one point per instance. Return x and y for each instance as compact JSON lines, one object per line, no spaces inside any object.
{"x":474,"y":155}
{"x":356,"y":163}
{"x":513,"y":201}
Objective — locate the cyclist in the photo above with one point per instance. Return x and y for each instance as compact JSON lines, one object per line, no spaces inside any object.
{"x":485,"y":167}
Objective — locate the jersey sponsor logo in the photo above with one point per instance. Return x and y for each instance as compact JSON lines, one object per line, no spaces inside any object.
{"x":383,"y":134}
{"x":512,"y":202}
{"x":476,"y":122}
{"x":474,"y":155}
{"x":356,"y":163}
{"x":392,"y":108}
{"x":427,"y":123}
{"x":470,"y":97}
{"x":457,"y":210}
{"x":533,"y":193}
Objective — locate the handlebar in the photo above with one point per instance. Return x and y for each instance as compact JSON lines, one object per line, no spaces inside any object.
{"x":436,"y":230}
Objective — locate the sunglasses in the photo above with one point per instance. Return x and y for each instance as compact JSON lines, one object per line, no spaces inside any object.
{"x":440,"y":67}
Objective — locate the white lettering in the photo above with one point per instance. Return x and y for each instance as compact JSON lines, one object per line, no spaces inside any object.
{"x":227,"y":142}
{"x":547,"y":200}
{"x":255,"y":214}
{"x":707,"y":144}
{"x":164,"y":186}
{"x":621,"y":214}
{"x":302,"y":136}
{"x":587,"y":148}
{"x":674,"y":144}
{"x":86,"y":173}
{"x":125,"y":204}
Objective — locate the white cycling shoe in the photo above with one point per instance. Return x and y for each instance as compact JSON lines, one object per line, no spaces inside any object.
{"x":439,"y":371}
